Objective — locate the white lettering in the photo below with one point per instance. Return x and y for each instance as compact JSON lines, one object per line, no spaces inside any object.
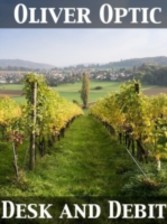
{"x":145,"y":17}
{"x":114,"y":205}
{"x":160,"y":210}
{"x":108,"y":15}
{"x":140,"y":211}
{"x":127,"y":208}
{"x":152,"y":15}
{"x":5,"y":206}
{"x":94,"y":211}
{"x":69,"y":15}
{"x":53,"y":14}
{"x":134,"y":14}
{"x":32,"y":211}
{"x":120,"y":13}
{"x":83,"y":15}
{"x":66,"y":212}
{"x":44,"y":211}
{"x":20,"y":8}
{"x":106,"y":9}
{"x":21,"y":210}
{"x":32,"y":16}
{"x":43,"y":15}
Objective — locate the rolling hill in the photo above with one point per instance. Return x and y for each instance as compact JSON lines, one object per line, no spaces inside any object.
{"x":129,"y":63}
{"x":4,"y":63}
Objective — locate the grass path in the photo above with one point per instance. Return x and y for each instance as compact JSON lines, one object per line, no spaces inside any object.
{"x":87,"y":161}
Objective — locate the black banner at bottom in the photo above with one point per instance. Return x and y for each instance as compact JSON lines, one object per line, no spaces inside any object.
{"x":82,"y":210}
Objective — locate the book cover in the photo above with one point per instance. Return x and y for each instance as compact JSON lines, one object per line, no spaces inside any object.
{"x":83,"y":111}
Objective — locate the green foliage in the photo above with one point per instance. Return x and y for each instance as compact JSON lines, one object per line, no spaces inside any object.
{"x":130,"y":110}
{"x":153,"y":186}
{"x":151,"y":74}
{"x":10,"y":112}
{"x":85,"y":90}
{"x":70,"y":91}
{"x":140,"y":187}
{"x":52,"y":113}
{"x":81,"y":164}
{"x":97,"y":88}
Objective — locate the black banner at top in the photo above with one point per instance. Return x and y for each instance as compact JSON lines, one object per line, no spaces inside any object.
{"x":83,"y":14}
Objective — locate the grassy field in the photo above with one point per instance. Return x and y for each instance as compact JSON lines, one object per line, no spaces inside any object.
{"x":11,"y":87}
{"x":71,"y":91}
{"x":87,"y":161}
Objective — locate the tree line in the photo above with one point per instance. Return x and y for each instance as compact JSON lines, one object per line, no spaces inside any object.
{"x":148,"y":74}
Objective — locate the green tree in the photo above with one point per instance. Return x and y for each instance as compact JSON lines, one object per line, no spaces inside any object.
{"x":85,"y":90}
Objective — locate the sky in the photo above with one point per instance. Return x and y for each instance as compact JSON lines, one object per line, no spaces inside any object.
{"x":63,"y":47}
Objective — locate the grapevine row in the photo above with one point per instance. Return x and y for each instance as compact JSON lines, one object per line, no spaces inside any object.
{"x":40,"y":122}
{"x":139,"y":121}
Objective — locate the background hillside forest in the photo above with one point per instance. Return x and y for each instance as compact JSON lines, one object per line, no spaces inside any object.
{"x":149,"y":74}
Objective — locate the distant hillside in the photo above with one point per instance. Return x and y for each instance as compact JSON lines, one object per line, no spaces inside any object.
{"x":129,"y":63}
{"x":4,"y":63}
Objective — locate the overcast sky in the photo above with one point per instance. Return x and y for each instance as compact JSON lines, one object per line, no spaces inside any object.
{"x":62,"y":47}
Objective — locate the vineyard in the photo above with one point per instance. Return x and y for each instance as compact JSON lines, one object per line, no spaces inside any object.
{"x":140,"y":124}
{"x":41,"y":122}
{"x":137,"y":120}
{"x":49,"y":149}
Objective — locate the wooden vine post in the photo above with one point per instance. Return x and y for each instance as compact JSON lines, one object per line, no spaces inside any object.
{"x":15,"y":160}
{"x":32,"y":149}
